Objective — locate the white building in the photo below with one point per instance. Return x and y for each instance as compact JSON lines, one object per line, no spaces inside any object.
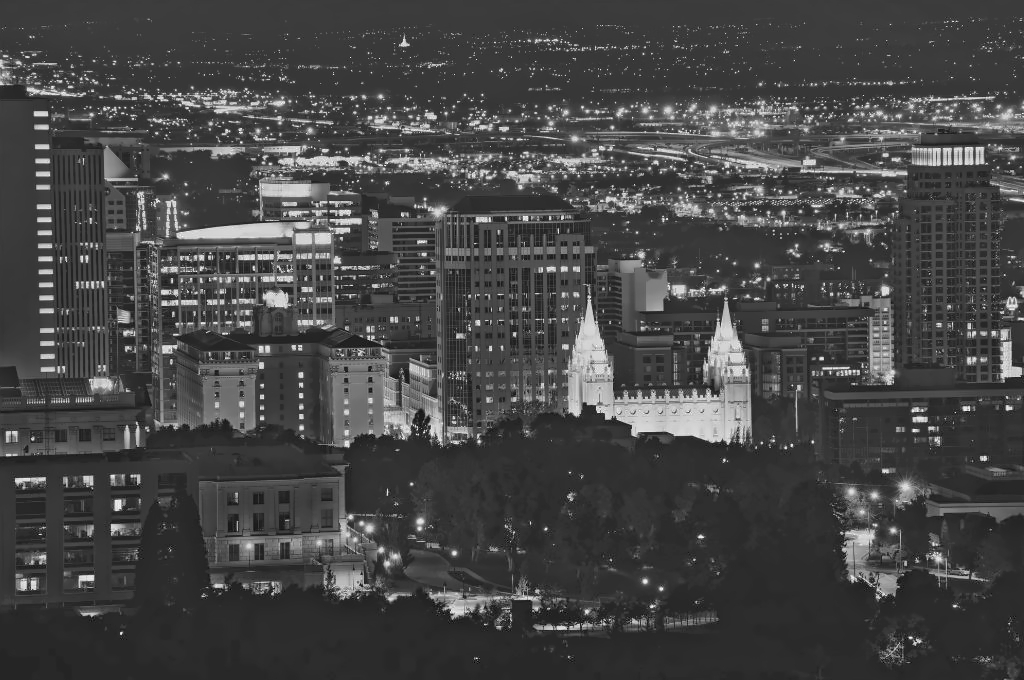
{"x":719,"y":411}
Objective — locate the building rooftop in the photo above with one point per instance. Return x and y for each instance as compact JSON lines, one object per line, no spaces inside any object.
{"x":973,"y":487}
{"x":329,"y":336}
{"x":273,"y":461}
{"x":242,"y":232}
{"x":209,"y":341}
{"x":511,"y":204}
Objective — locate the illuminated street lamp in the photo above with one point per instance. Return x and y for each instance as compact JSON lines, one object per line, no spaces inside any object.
{"x":851,"y":492}
{"x":248,"y":549}
{"x":897,"y":530}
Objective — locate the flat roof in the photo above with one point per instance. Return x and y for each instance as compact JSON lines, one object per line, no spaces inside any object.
{"x":329,"y":336}
{"x":267,"y":462}
{"x":511,"y":204}
{"x":241,"y":232}
{"x":209,"y":341}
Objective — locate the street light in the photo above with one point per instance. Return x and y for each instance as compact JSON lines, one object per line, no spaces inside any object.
{"x":851,"y":492}
{"x":248,"y":548}
{"x":897,"y":530}
{"x":645,"y":580}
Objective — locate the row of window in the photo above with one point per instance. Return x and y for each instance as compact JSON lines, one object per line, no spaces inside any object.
{"x":284,"y":496}
{"x":109,"y":434}
{"x":284,"y":521}
{"x":117,"y":481}
{"x":257,"y":552}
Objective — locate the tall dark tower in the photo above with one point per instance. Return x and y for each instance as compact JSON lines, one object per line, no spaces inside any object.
{"x":27,"y":310}
{"x":946,"y":266}
{"x":79,"y":244}
{"x":512,"y":272}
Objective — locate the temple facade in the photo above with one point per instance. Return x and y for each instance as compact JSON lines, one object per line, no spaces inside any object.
{"x":717,"y":411}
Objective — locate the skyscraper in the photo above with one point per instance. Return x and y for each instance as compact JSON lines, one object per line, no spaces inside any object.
{"x":511,"y":278}
{"x":946,"y":268}
{"x":412,"y":236}
{"x":27,"y":314}
{"x":79,"y":244}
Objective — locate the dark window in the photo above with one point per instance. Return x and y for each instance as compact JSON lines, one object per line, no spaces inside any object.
{"x":284,"y":497}
{"x":257,"y":551}
{"x":327,"y":518}
{"x":284,"y":521}
{"x":60,"y":436}
{"x":233,"y":555}
{"x":85,"y":435}
{"x":327,"y":494}
{"x":257,"y":498}
{"x":233,"y":524}
{"x":286,"y":551}
{"x":258,"y":522}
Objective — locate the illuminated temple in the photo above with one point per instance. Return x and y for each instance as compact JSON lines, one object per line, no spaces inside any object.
{"x":717,"y":411}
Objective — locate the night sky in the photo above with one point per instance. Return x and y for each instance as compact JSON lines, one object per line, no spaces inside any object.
{"x":482,"y":14}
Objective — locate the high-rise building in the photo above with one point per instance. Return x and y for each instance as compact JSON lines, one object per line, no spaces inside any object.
{"x":512,"y":272}
{"x":631,"y":288}
{"x":28,"y":310}
{"x":880,"y":351}
{"x":412,"y":236}
{"x":212,"y":278}
{"x":946,"y":262}
{"x":323,"y":383}
{"x":79,"y":241}
{"x":133,"y":293}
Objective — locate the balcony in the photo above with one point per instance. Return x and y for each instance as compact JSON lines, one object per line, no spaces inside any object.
{"x":32,"y":533}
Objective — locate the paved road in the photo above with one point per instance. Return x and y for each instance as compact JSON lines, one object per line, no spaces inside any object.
{"x":858,"y":544}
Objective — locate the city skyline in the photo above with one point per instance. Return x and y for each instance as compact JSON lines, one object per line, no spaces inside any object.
{"x":557,"y":340}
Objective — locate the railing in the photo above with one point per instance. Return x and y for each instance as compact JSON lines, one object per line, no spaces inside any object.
{"x":126,"y":399}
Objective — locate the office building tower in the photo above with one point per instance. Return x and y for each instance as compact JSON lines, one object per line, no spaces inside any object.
{"x":211,"y":278}
{"x":79,"y":242}
{"x":880,"y":351}
{"x":364,"y":277}
{"x":513,"y":272}
{"x":28,"y":310}
{"x":412,"y":236}
{"x":133,"y":285}
{"x":323,"y":383}
{"x":946,"y":262}
{"x":284,"y":199}
{"x":631,"y":288}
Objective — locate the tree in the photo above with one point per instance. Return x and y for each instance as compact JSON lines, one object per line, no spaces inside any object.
{"x":192,"y":568}
{"x":172,"y":570}
{"x":420,"y":431}
{"x":151,"y":573}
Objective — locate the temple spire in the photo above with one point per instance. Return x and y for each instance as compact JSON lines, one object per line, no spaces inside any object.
{"x":726,"y":330}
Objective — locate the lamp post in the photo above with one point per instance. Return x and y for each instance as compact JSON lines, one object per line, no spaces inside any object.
{"x":248,"y":550}
{"x":899,"y":564}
